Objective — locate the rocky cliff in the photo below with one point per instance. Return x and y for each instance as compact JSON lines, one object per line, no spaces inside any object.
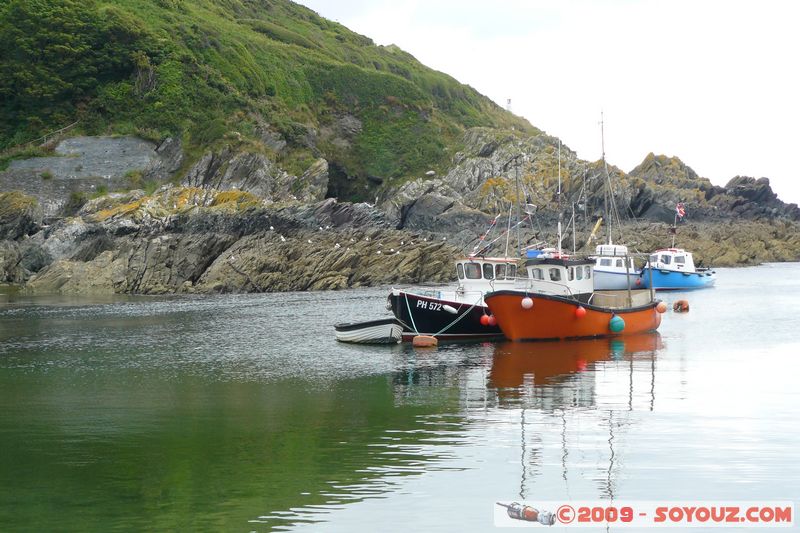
{"x":236,"y":220}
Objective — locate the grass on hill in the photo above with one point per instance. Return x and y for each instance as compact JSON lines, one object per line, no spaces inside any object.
{"x":200,"y":69}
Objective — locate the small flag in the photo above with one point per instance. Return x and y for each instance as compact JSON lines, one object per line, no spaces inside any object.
{"x":680,"y":209}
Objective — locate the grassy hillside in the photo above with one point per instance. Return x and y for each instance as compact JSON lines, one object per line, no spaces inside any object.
{"x":204,"y":69}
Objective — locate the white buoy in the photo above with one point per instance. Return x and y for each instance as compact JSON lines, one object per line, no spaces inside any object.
{"x":450,"y":309}
{"x":527,"y":302}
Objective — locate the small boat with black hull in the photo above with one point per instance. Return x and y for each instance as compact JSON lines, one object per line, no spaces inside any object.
{"x":382,"y":331}
{"x":457,"y":313}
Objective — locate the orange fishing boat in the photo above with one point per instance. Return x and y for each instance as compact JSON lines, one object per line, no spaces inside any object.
{"x":558,"y":301}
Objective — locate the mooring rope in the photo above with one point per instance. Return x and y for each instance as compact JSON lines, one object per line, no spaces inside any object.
{"x":451,"y":324}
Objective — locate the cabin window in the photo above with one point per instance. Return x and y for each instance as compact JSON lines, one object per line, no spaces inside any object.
{"x":605,"y":262}
{"x":666,"y":259}
{"x":500,"y":271}
{"x":555,"y":274}
{"x":460,"y":271}
{"x":537,"y":273}
{"x":588,"y":271}
{"x":472,"y":270}
{"x":488,"y":271}
{"x":512,"y":271}
{"x":571,"y":273}
{"x":579,"y":272}
{"x":680,"y":259}
{"x":653,"y":259}
{"x":619,"y":263}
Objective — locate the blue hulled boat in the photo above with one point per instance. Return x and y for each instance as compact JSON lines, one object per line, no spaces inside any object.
{"x":674,"y":269}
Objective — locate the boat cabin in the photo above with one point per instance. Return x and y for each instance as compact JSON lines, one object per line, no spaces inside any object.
{"x":486,"y":273}
{"x":552,"y":273}
{"x":612,"y":257}
{"x":676,"y":259}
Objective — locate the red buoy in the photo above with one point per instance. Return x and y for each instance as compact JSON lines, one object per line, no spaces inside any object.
{"x":681,"y":306}
{"x":580,"y":312}
{"x":492,"y":320}
{"x":484,"y":320}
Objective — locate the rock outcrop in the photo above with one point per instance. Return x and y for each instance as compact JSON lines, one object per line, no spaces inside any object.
{"x":200,"y":240}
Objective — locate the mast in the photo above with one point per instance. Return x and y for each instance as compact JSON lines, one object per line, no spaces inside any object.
{"x":559,"y":197}
{"x":674,"y":229}
{"x":573,"y":228}
{"x":607,"y":178}
{"x":519,"y":200}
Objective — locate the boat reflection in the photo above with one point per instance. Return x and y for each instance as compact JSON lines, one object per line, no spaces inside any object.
{"x":565,"y":388}
{"x":520,"y":369}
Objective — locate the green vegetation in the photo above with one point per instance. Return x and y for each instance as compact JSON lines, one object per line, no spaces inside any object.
{"x":14,"y":202}
{"x":202,"y":69}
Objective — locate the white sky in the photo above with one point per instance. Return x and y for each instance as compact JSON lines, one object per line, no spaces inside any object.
{"x":713,"y":82}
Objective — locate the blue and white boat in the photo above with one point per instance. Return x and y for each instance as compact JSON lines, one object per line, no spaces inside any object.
{"x":674,"y":269}
{"x":614,"y":269}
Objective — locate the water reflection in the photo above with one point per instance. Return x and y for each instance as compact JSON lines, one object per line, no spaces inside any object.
{"x":561,"y":380}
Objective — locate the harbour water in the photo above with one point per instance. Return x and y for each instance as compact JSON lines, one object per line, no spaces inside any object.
{"x":242,"y":413}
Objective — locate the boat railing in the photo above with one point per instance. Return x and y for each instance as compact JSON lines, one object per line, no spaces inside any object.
{"x":621,"y":298}
{"x":529,"y":284}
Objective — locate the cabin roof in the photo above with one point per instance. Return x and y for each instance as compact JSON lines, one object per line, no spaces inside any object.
{"x":565,"y":262}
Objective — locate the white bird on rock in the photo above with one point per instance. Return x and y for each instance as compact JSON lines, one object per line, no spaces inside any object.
{"x":337,"y":246}
{"x":309,"y":241}
{"x":271,"y":228}
{"x":283,"y":239}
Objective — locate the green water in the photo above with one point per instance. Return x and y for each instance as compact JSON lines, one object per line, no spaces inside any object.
{"x":242,"y":413}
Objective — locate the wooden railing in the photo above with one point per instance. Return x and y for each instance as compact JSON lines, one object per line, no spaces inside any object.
{"x":41,"y":140}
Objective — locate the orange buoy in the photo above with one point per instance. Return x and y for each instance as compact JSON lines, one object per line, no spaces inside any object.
{"x":580,"y":312}
{"x":484,"y":320}
{"x":680,"y":306}
{"x":424,"y":341}
{"x":492,"y":320}
{"x":661,"y":307}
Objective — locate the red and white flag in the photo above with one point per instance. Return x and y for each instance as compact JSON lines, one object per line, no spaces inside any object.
{"x":680,"y":209}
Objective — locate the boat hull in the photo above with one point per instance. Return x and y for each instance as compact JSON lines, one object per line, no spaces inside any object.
{"x":384,"y":331}
{"x":616,"y":281}
{"x":663,"y":280}
{"x":425,"y":315}
{"x":554,"y":317}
